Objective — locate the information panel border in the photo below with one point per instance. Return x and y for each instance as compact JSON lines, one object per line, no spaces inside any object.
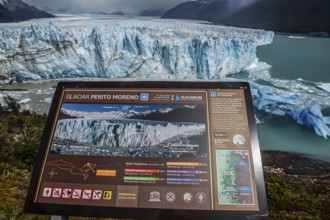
{"x":145,"y":213}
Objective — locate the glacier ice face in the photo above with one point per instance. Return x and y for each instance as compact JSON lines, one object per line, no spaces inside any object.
{"x":165,"y":49}
{"x":280,"y":96}
{"x":313,"y":118}
{"x":265,"y":99}
{"x":325,"y":87}
{"x":125,"y":49}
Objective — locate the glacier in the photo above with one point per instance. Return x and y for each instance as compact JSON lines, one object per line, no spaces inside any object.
{"x":324,"y":86}
{"x":265,"y":99}
{"x":125,"y":49}
{"x":98,"y":48}
{"x":116,"y":135}
{"x":313,"y":118}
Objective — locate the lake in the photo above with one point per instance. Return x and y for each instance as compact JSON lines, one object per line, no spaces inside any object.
{"x":298,"y":65}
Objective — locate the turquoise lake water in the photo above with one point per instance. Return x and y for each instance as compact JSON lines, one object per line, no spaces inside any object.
{"x":291,"y":59}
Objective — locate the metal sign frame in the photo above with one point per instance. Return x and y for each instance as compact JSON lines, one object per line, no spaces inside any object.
{"x":146,"y":213}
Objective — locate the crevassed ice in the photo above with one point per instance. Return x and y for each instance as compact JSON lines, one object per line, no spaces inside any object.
{"x":126,"y":49}
{"x":168,"y":49}
{"x":267,"y":100}
{"x":2,"y":2}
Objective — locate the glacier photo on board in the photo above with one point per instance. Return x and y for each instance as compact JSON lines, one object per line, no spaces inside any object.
{"x":289,"y":75}
{"x":171,"y":131}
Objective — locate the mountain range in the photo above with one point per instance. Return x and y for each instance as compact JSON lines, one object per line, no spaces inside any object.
{"x":152,"y":12}
{"x":202,"y":10}
{"x":17,"y":10}
{"x":182,"y":114}
{"x":292,"y":16}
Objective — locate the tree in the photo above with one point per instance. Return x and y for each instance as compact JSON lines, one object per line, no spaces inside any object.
{"x":12,"y":104}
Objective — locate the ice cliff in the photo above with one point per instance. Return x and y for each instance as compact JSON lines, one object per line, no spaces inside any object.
{"x":126,"y":49}
{"x":123,"y":133}
{"x":265,"y":99}
{"x":313,"y":118}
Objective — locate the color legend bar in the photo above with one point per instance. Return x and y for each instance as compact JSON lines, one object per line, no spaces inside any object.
{"x":195,"y":164}
{"x":141,"y":171}
{"x":140,"y":178}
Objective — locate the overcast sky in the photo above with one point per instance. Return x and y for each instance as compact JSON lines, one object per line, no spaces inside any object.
{"x":127,"y":6}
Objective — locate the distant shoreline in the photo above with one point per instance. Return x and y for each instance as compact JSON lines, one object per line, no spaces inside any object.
{"x":313,"y":34}
{"x":297,"y":170}
{"x":296,"y":164}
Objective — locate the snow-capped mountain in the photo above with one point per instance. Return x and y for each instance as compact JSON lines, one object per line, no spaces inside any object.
{"x":126,"y":49}
{"x":289,"y":16}
{"x":17,"y":10}
{"x":180,"y":114}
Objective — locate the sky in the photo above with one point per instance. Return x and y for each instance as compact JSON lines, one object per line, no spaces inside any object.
{"x":127,"y":6}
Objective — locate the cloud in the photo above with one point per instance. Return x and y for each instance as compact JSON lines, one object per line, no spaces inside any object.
{"x":127,"y":6}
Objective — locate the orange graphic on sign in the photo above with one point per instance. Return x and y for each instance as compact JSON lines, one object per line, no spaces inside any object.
{"x":106,"y":172}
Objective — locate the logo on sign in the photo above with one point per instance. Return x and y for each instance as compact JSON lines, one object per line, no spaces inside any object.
{"x":107,"y":195}
{"x":154,"y":196}
{"x":187,"y":197}
{"x":170,"y":196}
{"x":201,"y":197}
{"x":144,"y":96}
{"x":87,"y":194}
{"x":97,"y":195}
{"x":213,"y":94}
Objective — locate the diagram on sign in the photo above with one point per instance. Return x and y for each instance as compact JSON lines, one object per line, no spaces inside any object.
{"x":72,"y":169}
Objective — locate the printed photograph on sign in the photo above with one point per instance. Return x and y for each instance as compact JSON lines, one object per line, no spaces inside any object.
{"x":167,"y":131}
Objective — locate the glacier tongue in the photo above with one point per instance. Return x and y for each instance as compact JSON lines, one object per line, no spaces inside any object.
{"x":126,"y":49}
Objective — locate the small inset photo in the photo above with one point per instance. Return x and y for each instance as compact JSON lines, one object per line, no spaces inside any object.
{"x":239,"y":140}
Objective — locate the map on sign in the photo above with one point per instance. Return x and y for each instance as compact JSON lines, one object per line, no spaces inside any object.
{"x":72,"y":169}
{"x":234,"y":177}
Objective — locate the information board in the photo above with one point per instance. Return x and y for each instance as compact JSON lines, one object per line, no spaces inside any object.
{"x":150,"y":150}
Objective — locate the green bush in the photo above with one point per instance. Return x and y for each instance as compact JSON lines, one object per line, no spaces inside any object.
{"x":297,"y":201}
